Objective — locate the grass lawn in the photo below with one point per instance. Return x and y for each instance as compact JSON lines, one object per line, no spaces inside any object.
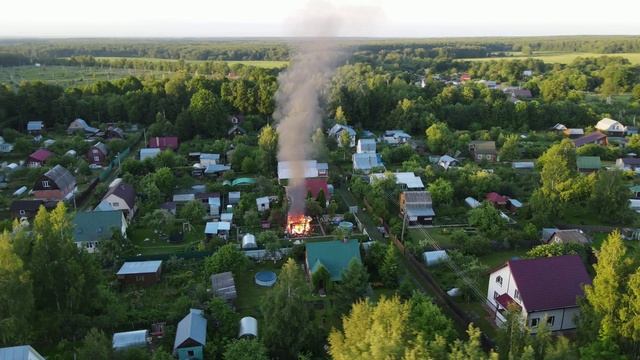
{"x":442,"y":236}
{"x":559,"y":57}
{"x":66,"y":75}
{"x":249,"y":294}
{"x":149,"y":243}
{"x":268,"y":64}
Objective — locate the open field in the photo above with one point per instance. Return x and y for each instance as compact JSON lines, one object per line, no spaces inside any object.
{"x":558,"y":57}
{"x":268,"y":64}
{"x":68,"y":75}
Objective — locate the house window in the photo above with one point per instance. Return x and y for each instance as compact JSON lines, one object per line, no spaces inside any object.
{"x":534,"y":322}
{"x":115,"y":204}
{"x":551,"y":320}
{"x":190,"y":353}
{"x":45,"y":184}
{"x":516,"y":294}
{"x":499,"y":280}
{"x":495,"y":295}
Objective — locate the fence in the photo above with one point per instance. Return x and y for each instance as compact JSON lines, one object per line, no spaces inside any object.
{"x":423,"y":276}
{"x":179,"y":255}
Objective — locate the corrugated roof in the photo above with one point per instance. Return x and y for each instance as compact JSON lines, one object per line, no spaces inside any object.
{"x":61,"y":177}
{"x":588,"y":162}
{"x":550,"y":282}
{"x":366,"y":161}
{"x":96,"y":225}
{"x":420,"y":197}
{"x":125,"y":192}
{"x":166,"y":142}
{"x":22,"y":352}
{"x":334,"y":255}
{"x":41,"y":155}
{"x":590,"y":138}
{"x":194,"y":327}
{"x":484,"y":147}
{"x":139,"y":267}
{"x":570,"y":236}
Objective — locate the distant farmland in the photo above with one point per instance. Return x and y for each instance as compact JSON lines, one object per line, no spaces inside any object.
{"x":268,"y":64}
{"x":558,"y":57}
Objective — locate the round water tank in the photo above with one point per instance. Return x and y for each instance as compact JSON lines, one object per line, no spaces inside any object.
{"x":346,"y":226}
{"x":249,"y":241}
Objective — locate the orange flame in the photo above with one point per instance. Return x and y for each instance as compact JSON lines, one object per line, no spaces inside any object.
{"x":298,"y":225}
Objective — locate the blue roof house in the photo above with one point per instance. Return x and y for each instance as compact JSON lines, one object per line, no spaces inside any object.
{"x":191,"y":336}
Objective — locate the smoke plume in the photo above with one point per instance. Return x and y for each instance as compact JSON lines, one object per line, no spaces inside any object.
{"x":298,"y":102}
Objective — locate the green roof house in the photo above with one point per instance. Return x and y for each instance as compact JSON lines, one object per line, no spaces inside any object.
{"x":92,"y":227}
{"x":334,"y":256}
{"x":588,"y":164}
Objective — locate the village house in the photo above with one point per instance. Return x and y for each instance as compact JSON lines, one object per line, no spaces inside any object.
{"x":405,"y":180}
{"x":366,"y":146}
{"x":483,"y":150}
{"x":517,"y":93}
{"x":497,"y":200}
{"x":569,"y":236}
{"x":417,"y":207}
{"x":311,"y":169}
{"x":164,"y":143}
{"x":97,"y":154}
{"x":114,"y":132}
{"x":38,"y":158}
{"x":81,"y":126}
{"x":56,"y":184}
{"x":558,"y":127}
{"x":140,"y":272}
{"x":628,"y":164}
{"x":538,"y":288}
{"x":236,"y":125}
{"x":191,"y":336}
{"x":595,"y":137}
{"x":90,"y":228}
{"x":366,"y":162}
{"x":395,"y":137}
{"x":573,"y":133}
{"x":217,"y":228}
{"x":334,"y":256}
{"x":446,"y":162}
{"x":313,"y":188}
{"x":5,"y":147}
{"x":28,"y":208}
{"x":337,"y":130}
{"x":35,"y":127}
{"x":588,"y":164}
{"x":120,"y":196}
{"x":21,"y":352}
{"x":611,"y":127}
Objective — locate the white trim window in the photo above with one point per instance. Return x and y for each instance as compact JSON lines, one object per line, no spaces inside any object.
{"x":534,"y":322}
{"x":499,"y":280}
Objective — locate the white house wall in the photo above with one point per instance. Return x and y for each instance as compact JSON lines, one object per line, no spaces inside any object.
{"x":565,"y":319}
{"x":117,"y":203}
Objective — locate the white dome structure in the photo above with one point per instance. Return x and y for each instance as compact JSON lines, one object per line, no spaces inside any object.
{"x":249,"y":241}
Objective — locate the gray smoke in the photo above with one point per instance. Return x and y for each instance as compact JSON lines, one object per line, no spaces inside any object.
{"x":299,"y":110}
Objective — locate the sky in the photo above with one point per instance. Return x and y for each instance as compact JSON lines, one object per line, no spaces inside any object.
{"x":356,"y":18}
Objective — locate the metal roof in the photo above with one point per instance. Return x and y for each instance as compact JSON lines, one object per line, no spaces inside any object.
{"x":146,"y":153}
{"x":194,"y":327}
{"x":588,"y":162}
{"x":216,"y":168}
{"x":127,"y":339}
{"x":333,"y":255}
{"x":366,"y":161}
{"x":96,"y":225}
{"x":35,"y":125}
{"x":62,"y":177}
{"x":216,"y":226}
{"x":413,"y":210}
{"x":139,"y":267}
{"x":22,"y":352}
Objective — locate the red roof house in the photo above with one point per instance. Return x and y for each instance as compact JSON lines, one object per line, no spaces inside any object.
{"x":497,"y":199}
{"x":543,"y":287}
{"x":39,"y":157}
{"x":164,"y":143}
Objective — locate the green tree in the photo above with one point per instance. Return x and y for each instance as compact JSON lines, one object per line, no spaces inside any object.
{"x":95,"y":346}
{"x":488,"y":220}
{"x":341,"y":118}
{"x":223,"y":325}
{"x":16,"y":295}
{"x":268,"y":139}
{"x":244,"y":349}
{"x":194,"y":212}
{"x":509,"y":150}
{"x":287,"y":327}
{"x":439,"y":138}
{"x":354,"y":285}
{"x":165,"y":181}
{"x":227,"y":258}
{"x":390,"y":269}
{"x":344,"y":139}
{"x":207,"y":113}
{"x":610,"y":196}
{"x":470,"y":349}
{"x":427,"y":319}
{"x":441,"y":191}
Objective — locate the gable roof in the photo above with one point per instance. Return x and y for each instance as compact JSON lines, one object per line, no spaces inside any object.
{"x":22,"y":352}
{"x":589,"y":138}
{"x":550,"y":282}
{"x":165,"y":142}
{"x":61,"y":177}
{"x":102,"y":147}
{"x":337,"y":128}
{"x":193,"y":326}
{"x":570,"y":236}
{"x":27,"y":205}
{"x":415,"y":197}
{"x":607,"y":123}
{"x":366,"y":161}
{"x":496,"y":198}
{"x":484,"y":147}
{"x":588,"y":162}
{"x":333,"y":255}
{"x":41,"y":155}
{"x":96,"y":225}
{"x":139,"y":267}
{"x":81,"y":124}
{"x":125,"y":192}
